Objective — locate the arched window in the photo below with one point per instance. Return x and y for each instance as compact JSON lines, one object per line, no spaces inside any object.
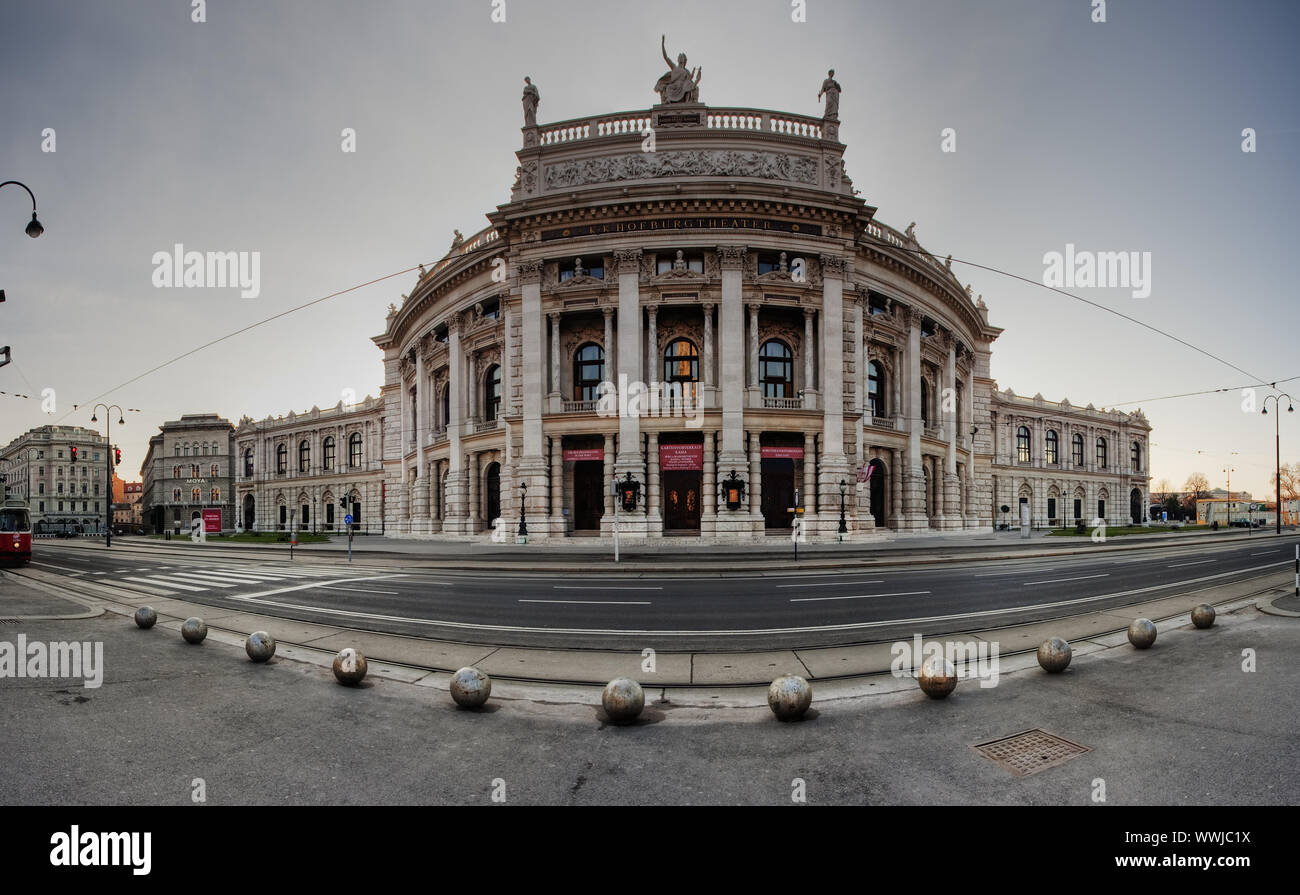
{"x":1050,"y":454}
{"x":176,"y":472}
{"x":925,"y":403}
{"x":248,"y":461}
{"x":187,"y":450}
{"x":215,"y":470}
{"x":876,"y":388}
{"x":776,"y":369}
{"x":1135,"y":455}
{"x":205,"y":450}
{"x":176,"y":494}
{"x":304,"y":456}
{"x":492,"y":393}
{"x":216,"y":495}
{"x":682,"y":369}
{"x":588,"y":372}
{"x":178,"y":450}
{"x":1076,"y":449}
{"x":196,"y":495}
{"x":327,"y":450}
{"x":281,"y":459}
{"x":1022,"y":444}
{"x":1101,"y":453}
{"x":354,"y":449}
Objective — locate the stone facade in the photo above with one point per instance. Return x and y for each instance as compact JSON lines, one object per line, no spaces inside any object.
{"x":722,"y":325}
{"x":60,"y":494}
{"x":310,"y":470}
{"x":186,"y":470}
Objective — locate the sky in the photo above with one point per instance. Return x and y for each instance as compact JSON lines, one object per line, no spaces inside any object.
{"x":226,"y":135}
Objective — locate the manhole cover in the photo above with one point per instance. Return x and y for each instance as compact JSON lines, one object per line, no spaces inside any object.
{"x":1030,"y":752}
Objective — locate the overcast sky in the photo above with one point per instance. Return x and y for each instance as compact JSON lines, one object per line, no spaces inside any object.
{"x":225,"y":136}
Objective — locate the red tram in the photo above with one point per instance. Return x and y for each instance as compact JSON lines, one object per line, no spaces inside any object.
{"x":15,"y":533}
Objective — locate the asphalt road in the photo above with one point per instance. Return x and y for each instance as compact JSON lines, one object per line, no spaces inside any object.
{"x":732,"y":611}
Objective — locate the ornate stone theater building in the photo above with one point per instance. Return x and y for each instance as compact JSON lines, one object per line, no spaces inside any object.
{"x":696,"y":303}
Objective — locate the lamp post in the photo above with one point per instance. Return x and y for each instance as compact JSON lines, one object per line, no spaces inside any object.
{"x":34,"y":228}
{"x":844,"y":528}
{"x":1277,"y":447}
{"x":108,"y":451}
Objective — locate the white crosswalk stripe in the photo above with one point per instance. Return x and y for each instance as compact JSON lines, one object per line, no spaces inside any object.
{"x":197,"y":580}
{"x":166,"y":583}
{"x":201,"y":579}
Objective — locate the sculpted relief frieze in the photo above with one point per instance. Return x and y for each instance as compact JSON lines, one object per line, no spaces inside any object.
{"x":682,"y":163}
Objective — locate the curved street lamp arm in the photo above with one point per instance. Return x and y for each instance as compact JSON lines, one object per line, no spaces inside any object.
{"x":24,"y":186}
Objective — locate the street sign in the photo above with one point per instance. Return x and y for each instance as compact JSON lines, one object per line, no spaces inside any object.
{"x":347,"y":520}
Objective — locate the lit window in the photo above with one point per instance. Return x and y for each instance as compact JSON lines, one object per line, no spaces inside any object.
{"x":1101,"y":455}
{"x":1022,"y":444}
{"x":327,"y":449}
{"x":682,"y":369}
{"x":1050,"y":451}
{"x":1076,"y":449}
{"x":304,"y":456}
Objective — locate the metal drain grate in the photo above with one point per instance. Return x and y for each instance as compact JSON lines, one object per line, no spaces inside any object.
{"x":1030,"y":752}
{"x":8,"y":621}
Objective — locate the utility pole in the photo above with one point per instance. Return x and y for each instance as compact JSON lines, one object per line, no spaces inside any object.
{"x":108,"y":462}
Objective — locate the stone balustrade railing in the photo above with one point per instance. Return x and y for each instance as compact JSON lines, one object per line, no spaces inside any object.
{"x":636,"y":122}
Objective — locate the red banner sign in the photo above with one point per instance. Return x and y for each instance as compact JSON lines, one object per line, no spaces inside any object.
{"x":212,"y":521}
{"x":782,"y":453}
{"x":575,"y":455}
{"x":681,"y":457}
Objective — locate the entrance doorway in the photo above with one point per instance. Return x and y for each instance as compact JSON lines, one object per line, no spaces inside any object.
{"x":493,"y":488}
{"x":778,"y":492}
{"x":588,"y":494}
{"x":877,"y":485}
{"x":1135,"y":506}
{"x":250,"y":512}
{"x":682,"y":500}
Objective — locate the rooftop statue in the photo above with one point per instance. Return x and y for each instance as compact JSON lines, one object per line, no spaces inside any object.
{"x":831,"y":90}
{"x":680,"y":84}
{"x":531,"y":98}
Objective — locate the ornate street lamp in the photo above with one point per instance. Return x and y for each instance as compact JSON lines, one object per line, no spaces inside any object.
{"x":34,"y":228}
{"x":108,"y":451}
{"x":1277,"y":448}
{"x":844,"y":528}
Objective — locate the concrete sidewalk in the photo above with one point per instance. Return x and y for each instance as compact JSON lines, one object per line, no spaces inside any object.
{"x":712,"y":673}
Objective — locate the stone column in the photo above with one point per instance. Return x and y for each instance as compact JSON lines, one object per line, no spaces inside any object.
{"x":608,"y":518}
{"x":456,"y":496}
{"x":472,"y":463}
{"x":559,"y":522}
{"x":951,"y":484}
{"x":755,"y":478}
{"x":914,"y":516}
{"x":896,"y":389}
{"x":555,"y":353}
{"x":532,"y":466}
{"x":708,"y":345}
{"x":609,"y":345}
{"x":708,"y":508}
{"x":834,"y":462}
{"x":809,"y":493}
{"x":809,"y":349}
{"x":652,"y":342}
{"x":420,"y":512}
{"x":654,"y":516}
{"x":732,"y":320}
{"x":895,"y":487}
{"x":753,"y":345}
{"x":630,"y":458}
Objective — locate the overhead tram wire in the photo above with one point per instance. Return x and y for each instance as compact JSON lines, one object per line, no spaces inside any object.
{"x":1121,"y":314}
{"x":245,"y":329}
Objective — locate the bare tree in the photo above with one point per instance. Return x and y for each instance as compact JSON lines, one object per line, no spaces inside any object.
{"x":1196,"y":485}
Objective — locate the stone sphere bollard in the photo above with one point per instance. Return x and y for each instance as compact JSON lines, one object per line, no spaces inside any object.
{"x":938,"y":677}
{"x":470,"y":688}
{"x":145,"y":617}
{"x":622,"y":700}
{"x":1203,"y":616}
{"x":194,"y":630}
{"x":1142,"y":633}
{"x":1054,"y":655}
{"x":789,"y":697}
{"x":260,"y":646}
{"x":350,"y":667}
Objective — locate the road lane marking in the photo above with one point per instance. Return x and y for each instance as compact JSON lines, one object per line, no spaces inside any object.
{"x":830,"y":583}
{"x":1179,"y":565}
{"x":575,"y":587}
{"x":1016,"y":572}
{"x":908,"y":593}
{"x":353,"y":590}
{"x":60,"y":568}
{"x":1265,"y":553}
{"x":257,"y":597}
{"x":592,"y":602}
{"x":198,"y":579}
{"x":1062,"y":580}
{"x":166,"y":582}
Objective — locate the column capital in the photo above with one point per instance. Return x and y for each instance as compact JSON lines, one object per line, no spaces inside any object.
{"x":628,"y":260}
{"x":808,"y":312}
{"x":708,"y":307}
{"x":732,"y":257}
{"x":833,"y":266}
{"x":608,"y":311}
{"x":553,"y":316}
{"x":753,"y":308}
{"x":530,"y":271}
{"x":914,"y":318}
{"x":652,"y":308}
{"x":454,"y":324}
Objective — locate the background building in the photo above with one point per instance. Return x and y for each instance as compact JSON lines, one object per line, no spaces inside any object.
{"x":188,"y":469}
{"x":312,"y":469}
{"x":1237,"y":510}
{"x":62,"y":495}
{"x":126,"y":506}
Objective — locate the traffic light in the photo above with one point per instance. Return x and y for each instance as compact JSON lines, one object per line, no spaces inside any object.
{"x":117,"y":456}
{"x":74,"y":453}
